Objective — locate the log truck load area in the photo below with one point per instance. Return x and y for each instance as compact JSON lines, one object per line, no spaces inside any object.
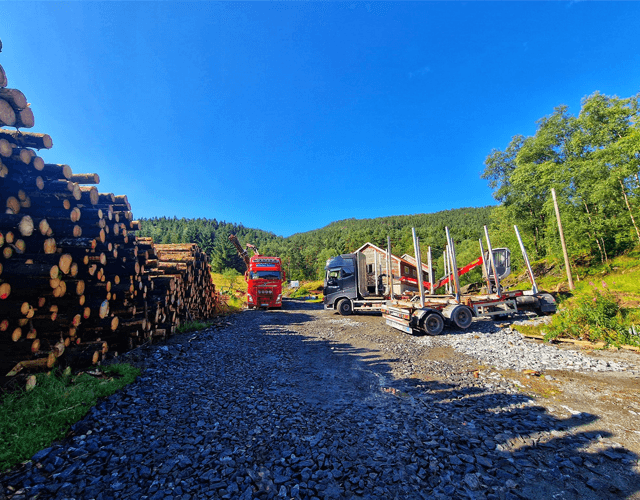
{"x":345,"y":290}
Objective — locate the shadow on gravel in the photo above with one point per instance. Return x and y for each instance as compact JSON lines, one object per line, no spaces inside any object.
{"x":512,"y":446}
{"x":265,"y":409}
{"x":302,"y":304}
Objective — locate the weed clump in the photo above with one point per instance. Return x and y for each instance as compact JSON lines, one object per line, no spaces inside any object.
{"x":597,"y":316}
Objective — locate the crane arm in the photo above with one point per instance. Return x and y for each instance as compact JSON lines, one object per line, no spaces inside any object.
{"x":241,"y":252}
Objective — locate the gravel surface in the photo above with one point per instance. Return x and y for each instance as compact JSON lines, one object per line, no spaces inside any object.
{"x":302,"y":403}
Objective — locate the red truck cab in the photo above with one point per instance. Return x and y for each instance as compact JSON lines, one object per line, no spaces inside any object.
{"x":264,"y":282}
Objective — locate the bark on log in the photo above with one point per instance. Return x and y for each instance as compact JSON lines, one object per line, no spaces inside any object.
{"x":89,"y":194}
{"x":3,"y":77}
{"x":7,"y":114}
{"x":14,"y":97}
{"x":81,"y":356}
{"x":22,"y":223}
{"x":106,"y":198}
{"x":19,"y":266}
{"x":86,"y":179}
{"x":25,"y":118}
{"x":6,"y":149}
{"x":27,"y":139}
{"x":60,"y":170}
{"x":44,"y":363}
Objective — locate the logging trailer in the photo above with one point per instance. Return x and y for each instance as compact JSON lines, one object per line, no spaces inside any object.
{"x":345,"y":291}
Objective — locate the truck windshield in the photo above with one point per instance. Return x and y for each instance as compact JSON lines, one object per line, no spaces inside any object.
{"x":333,"y":274}
{"x":265,"y":275}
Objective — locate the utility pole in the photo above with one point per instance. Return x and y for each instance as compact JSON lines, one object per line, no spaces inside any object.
{"x":564,"y":245}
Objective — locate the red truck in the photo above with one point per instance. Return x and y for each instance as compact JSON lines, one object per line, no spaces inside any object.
{"x":264,"y":277}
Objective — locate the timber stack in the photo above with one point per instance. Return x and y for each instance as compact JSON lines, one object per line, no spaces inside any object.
{"x":75,"y":282}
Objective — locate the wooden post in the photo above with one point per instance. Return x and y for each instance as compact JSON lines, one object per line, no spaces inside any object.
{"x":624,"y":193}
{"x":375,"y":264}
{"x":564,"y":245}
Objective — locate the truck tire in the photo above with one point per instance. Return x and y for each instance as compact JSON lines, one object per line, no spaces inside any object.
{"x":462,"y":317}
{"x":433,"y":324}
{"x":459,"y":315}
{"x":345,"y":308}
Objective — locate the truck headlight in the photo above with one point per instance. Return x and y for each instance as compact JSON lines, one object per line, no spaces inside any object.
{"x":279,"y":299}
{"x":249,"y":298}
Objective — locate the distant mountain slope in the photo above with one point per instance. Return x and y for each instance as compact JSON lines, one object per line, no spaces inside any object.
{"x":305,"y":254}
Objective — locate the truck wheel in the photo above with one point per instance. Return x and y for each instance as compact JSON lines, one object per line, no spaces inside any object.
{"x":433,"y":324}
{"x":345,"y":308}
{"x":462,"y":317}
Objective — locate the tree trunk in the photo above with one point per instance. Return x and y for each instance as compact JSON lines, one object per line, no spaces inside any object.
{"x":624,"y":193}
{"x":595,"y":236}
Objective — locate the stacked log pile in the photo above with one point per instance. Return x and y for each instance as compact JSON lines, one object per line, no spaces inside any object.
{"x":74,"y":279}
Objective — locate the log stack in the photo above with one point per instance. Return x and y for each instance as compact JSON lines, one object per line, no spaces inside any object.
{"x":75,"y":281}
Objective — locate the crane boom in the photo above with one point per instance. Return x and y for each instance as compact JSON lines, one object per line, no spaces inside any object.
{"x":241,"y":252}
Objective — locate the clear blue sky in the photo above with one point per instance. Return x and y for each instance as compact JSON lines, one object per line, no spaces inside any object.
{"x":288,"y":116}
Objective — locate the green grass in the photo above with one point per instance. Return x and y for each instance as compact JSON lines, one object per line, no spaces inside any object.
{"x":192,"y":326}
{"x":234,"y":293}
{"x":32,"y":420}
{"x":304,"y":290}
{"x":222,"y":283}
{"x":603,"y":306}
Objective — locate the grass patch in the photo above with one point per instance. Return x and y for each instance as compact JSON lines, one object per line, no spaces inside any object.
{"x":192,"y":326}
{"x":234,"y":290}
{"x":603,"y":307}
{"x":32,"y":420}
{"x":225,"y":284}
{"x":305,"y":290}
{"x":595,"y":315}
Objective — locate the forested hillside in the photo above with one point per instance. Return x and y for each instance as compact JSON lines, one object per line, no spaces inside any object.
{"x":592,"y":160}
{"x":305,"y":254}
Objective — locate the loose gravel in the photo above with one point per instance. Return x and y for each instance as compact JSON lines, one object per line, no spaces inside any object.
{"x":507,"y":348}
{"x":288,"y":404}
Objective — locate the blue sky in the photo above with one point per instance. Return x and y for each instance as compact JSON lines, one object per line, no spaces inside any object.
{"x":288,"y":116}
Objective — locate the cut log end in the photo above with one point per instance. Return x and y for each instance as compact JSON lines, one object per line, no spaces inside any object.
{"x":104,"y":309}
{"x":50,"y":246}
{"x":64,"y":264}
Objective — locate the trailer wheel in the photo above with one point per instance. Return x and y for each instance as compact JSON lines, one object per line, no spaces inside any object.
{"x":433,"y":324}
{"x":345,"y":308}
{"x":462,"y":317}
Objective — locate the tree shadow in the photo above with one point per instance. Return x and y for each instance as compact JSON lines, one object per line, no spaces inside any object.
{"x":327,"y":419}
{"x":514,"y":447}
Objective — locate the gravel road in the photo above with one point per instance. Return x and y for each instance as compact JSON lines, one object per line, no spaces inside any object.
{"x":303,"y":403}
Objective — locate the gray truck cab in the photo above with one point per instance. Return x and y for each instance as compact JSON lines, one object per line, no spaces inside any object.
{"x":340,"y":281}
{"x":345,"y":282}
